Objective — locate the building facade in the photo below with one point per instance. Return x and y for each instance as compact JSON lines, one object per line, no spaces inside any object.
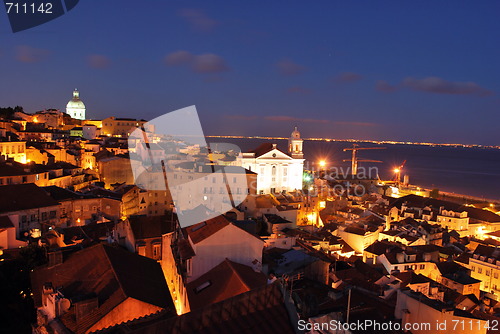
{"x":277,"y":171}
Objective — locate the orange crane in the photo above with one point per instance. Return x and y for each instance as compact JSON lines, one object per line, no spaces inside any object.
{"x":397,"y":172}
{"x":354,"y":159}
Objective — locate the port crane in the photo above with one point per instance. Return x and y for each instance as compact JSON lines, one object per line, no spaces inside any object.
{"x":355,"y":160}
{"x":397,"y":171}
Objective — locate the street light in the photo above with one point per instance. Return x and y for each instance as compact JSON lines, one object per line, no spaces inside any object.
{"x":322,"y":163}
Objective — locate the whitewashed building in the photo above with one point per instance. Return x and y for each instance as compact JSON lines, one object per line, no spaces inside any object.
{"x":75,"y":107}
{"x":277,"y":171}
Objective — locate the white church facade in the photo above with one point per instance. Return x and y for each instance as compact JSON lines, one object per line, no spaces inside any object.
{"x":277,"y":171}
{"x":75,"y":107}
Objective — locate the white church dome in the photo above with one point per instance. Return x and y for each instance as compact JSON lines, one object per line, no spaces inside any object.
{"x":75,"y":102}
{"x":295,"y":134}
{"x":75,"y":107}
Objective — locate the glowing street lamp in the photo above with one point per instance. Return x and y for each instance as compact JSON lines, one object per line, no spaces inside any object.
{"x":322,"y":163}
{"x":397,"y":171}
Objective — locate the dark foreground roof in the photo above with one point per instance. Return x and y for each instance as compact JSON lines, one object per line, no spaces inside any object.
{"x":260,"y":311}
{"x":111,"y":275}
{"x":145,"y":227}
{"x":226,"y":280}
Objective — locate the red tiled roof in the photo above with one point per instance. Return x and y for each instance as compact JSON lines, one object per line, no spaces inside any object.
{"x":262,"y":311}
{"x":262,"y":149}
{"x":24,"y":196}
{"x":7,"y":169}
{"x":226,"y":280}
{"x":108,"y":273}
{"x":203,"y":230}
{"x":145,"y":227}
{"x":5,"y":222}
{"x":185,"y":249}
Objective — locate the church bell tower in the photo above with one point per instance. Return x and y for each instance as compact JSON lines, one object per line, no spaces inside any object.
{"x":295,"y":145}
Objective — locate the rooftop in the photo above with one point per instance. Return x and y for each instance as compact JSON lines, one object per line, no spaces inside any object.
{"x":110,"y":274}
{"x":226,"y":280}
{"x":262,"y":311}
{"x":23,"y":197}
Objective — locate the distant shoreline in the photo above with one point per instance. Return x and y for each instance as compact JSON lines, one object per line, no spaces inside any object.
{"x":378,"y":142}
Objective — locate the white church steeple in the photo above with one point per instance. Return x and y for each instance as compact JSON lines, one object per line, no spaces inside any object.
{"x":295,"y":145}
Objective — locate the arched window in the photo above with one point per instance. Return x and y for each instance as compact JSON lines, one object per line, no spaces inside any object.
{"x":273,"y":170}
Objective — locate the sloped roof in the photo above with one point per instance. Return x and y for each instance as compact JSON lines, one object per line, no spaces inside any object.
{"x":450,"y":267}
{"x":262,"y":149}
{"x":8,"y":169}
{"x":494,"y":234}
{"x":487,"y":251}
{"x":266,"y":201}
{"x":409,"y":277}
{"x":60,"y":194}
{"x":203,"y":230}
{"x":224,"y":281}
{"x":90,"y":233}
{"x":145,"y":227}
{"x":5,"y":222}
{"x":262,"y":311}
{"x":275,"y":219}
{"x":185,"y":249}
{"x":108,"y":273}
{"x":24,"y":196}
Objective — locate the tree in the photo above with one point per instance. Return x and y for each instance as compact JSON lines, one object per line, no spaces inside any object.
{"x":8,"y":113}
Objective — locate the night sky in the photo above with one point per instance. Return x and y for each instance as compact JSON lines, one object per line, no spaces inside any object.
{"x":397,"y":70}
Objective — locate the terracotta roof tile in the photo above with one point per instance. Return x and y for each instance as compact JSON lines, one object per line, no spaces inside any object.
{"x":262,"y":149}
{"x":203,"y":230}
{"x":145,"y":227}
{"x":24,"y":196}
{"x":5,"y":222}
{"x":226,"y":280}
{"x":262,"y":311}
{"x":110,"y":274}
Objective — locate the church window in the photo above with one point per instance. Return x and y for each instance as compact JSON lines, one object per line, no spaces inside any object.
{"x":273,"y":170}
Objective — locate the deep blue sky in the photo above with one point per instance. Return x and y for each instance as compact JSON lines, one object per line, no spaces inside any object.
{"x":421,"y":71}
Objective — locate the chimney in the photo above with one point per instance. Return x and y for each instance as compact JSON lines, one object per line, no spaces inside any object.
{"x":400,"y":257}
{"x":47,"y":290}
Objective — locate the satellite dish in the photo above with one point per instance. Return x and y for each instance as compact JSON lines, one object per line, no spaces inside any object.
{"x":64,"y":305}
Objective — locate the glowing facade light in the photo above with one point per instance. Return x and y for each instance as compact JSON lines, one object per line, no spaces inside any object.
{"x":322,"y":163}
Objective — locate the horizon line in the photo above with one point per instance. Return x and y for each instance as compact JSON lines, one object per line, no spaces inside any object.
{"x":378,"y":142}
